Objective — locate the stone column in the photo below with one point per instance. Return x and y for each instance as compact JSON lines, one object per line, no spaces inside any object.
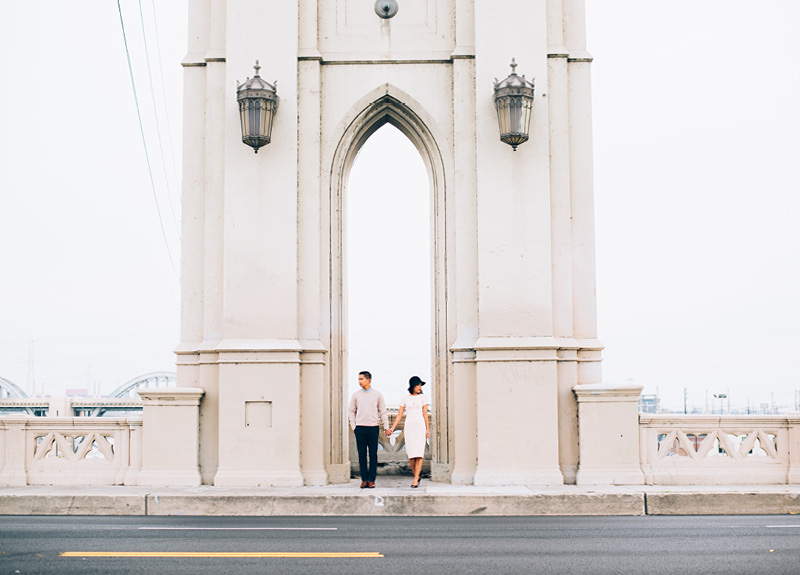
{"x":461,"y":408}
{"x":561,"y":221}
{"x":516,"y":353}
{"x":318,"y":446}
{"x":170,"y":436}
{"x":258,"y":359}
{"x":193,"y":214}
{"x":582,"y":192}
{"x":608,"y":420}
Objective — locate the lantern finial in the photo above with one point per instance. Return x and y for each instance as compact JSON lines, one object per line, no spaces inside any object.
{"x":513,"y":66}
{"x":257,"y":67}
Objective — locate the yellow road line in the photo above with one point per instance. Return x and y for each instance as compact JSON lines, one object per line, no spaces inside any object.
{"x":212,"y":554}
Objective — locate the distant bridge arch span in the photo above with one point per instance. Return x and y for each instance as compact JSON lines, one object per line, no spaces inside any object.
{"x":8,"y":389}
{"x":153,"y":379}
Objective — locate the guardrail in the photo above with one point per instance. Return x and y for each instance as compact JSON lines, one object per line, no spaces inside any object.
{"x":720,"y":449}
{"x":60,"y":406}
{"x":70,"y":450}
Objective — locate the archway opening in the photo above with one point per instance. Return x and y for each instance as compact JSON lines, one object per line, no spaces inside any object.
{"x":389,"y":265}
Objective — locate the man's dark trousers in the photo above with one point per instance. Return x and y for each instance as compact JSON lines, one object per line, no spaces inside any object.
{"x":367,"y":440}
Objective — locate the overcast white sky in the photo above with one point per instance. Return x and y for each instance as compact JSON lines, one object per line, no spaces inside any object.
{"x":697,"y":191}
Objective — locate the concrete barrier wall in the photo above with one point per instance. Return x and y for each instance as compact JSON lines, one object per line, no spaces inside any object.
{"x":674,"y":450}
{"x":69,"y":450}
{"x":720,"y":449}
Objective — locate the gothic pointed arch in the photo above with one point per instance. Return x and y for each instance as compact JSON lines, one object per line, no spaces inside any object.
{"x":389,"y":104}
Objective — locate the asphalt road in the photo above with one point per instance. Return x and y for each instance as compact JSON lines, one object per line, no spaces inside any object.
{"x":404,"y":545}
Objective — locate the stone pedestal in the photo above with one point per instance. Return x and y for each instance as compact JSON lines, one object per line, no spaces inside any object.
{"x":517,"y":412}
{"x":608,"y":424}
{"x":170,"y":436}
{"x":259,"y":415}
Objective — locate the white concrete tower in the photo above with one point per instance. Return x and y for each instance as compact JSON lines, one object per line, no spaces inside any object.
{"x":264,"y":289}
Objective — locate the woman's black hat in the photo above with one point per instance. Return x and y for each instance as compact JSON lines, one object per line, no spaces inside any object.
{"x":415,"y":381}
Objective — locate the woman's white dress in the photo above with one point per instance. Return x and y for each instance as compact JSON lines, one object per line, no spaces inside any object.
{"x":414,"y":428}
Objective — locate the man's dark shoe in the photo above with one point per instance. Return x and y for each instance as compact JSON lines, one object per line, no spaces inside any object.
{"x":363,"y":484}
{"x":371,"y":485}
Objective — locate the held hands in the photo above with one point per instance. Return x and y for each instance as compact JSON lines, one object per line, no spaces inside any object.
{"x":428,"y":434}
{"x":389,"y":432}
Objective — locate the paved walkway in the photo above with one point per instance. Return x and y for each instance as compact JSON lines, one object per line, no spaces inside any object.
{"x":394,"y":496}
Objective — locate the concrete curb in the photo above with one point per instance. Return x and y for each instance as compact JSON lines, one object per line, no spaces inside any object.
{"x":395,"y":498}
{"x":73,"y":505}
{"x":379,"y":504}
{"x":731,"y":503}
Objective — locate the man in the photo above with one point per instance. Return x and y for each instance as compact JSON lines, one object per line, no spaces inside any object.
{"x":367,"y":410}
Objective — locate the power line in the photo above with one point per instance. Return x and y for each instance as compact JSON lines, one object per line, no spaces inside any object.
{"x":155,"y":113}
{"x":164,"y":99}
{"x":144,"y":141}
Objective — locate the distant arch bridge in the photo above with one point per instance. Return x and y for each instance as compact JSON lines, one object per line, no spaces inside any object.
{"x":124,"y":398}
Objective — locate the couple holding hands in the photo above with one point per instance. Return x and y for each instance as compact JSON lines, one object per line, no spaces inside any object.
{"x":368,"y":410}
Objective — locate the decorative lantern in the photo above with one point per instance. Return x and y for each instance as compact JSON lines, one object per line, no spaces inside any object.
{"x":258,"y":102}
{"x":513,"y":98}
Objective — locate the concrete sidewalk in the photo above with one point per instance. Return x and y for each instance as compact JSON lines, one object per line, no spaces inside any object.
{"x":394,"y":496}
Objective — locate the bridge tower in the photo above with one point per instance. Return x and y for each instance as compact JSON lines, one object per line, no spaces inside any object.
{"x":263,"y":303}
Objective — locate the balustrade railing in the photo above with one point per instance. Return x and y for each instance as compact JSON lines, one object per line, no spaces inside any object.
{"x":392,"y":456}
{"x":674,"y":450}
{"x":70,"y":450}
{"x":720,"y":450}
{"x":70,"y":406}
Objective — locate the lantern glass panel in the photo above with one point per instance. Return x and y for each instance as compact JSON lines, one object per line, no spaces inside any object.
{"x":514,"y":116}
{"x":256,"y":117}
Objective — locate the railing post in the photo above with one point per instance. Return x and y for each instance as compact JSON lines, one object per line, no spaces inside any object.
{"x":170,"y":436}
{"x":608,"y":429}
{"x":12,"y":444}
{"x":135,"y":451}
{"x":794,"y":448}
{"x":60,"y":406}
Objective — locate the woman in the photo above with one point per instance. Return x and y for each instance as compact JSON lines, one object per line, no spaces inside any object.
{"x":416,"y":427}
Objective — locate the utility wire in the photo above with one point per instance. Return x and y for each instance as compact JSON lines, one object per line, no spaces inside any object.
{"x":164,"y":98}
{"x":158,"y":124}
{"x":144,"y":141}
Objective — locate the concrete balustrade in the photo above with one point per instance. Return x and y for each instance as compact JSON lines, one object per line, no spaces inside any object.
{"x":720,"y":450}
{"x":618,"y":445}
{"x":69,"y":450}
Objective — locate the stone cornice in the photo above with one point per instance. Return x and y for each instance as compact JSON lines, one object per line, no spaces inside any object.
{"x":703,"y":420}
{"x":193,"y":61}
{"x":214,"y":56}
{"x":186,"y":396}
{"x":579,"y":56}
{"x":594,"y":392}
{"x":514,"y":349}
{"x":557,"y":52}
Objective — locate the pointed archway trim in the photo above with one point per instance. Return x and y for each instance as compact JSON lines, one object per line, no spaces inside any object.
{"x":388,"y":104}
